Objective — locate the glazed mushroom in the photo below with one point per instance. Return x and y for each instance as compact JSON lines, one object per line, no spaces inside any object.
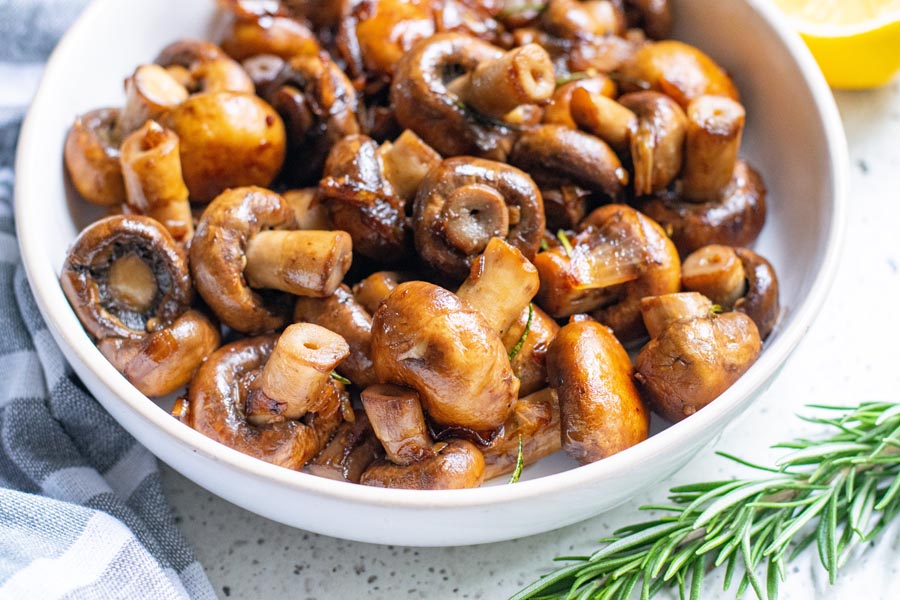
{"x":352,"y":448}
{"x":219,"y":391}
{"x":694,"y":354}
{"x":342,"y":314}
{"x":559,"y":110}
{"x":92,"y":157}
{"x":204,"y":67}
{"x":128,"y":282}
{"x":443,"y":108}
{"x":734,"y":218}
{"x":601,"y":412}
{"x":425,"y":338}
{"x":604,"y":117}
{"x":464,"y":202}
{"x":527,"y":342}
{"x":279,"y":35}
{"x":653,"y":16}
{"x":149,"y":92}
{"x":500,"y":285}
{"x":570,"y":19}
{"x":656,"y":139}
{"x":536,"y":420}
{"x":228,"y":140}
{"x":319,"y":107}
{"x":245,"y":240}
{"x":619,"y":257}
{"x":678,"y":70}
{"x":555,"y":155}
{"x":151,"y":167}
{"x":735,"y":279}
{"x":366,"y":189}
{"x":413,"y":461}
{"x":715,"y":125}
{"x":372,"y":290}
{"x":296,"y":374}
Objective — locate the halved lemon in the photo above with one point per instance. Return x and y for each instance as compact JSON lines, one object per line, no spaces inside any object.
{"x":856,"y":42}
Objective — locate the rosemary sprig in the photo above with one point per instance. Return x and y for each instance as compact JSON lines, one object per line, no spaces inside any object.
{"x":564,"y":240}
{"x":518,"y":347}
{"x":837,"y":493}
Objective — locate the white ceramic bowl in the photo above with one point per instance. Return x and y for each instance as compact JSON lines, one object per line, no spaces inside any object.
{"x":794,"y":138}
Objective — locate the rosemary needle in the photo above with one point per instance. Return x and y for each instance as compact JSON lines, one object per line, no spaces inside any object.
{"x":836,"y":492}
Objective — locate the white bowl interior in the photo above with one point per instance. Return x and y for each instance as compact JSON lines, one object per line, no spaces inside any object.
{"x":793,"y":138}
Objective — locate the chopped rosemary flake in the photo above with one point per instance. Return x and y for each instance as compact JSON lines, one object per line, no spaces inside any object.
{"x":520,"y":463}
{"x":564,"y":240}
{"x":340,"y":378}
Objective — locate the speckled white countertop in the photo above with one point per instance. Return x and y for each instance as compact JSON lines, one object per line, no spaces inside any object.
{"x":848,"y":356}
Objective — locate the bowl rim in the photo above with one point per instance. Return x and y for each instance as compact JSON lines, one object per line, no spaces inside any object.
{"x":68,"y":332}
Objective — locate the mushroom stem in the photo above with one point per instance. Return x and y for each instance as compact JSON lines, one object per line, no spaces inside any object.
{"x":151,"y":167}
{"x":714,"y":128}
{"x":296,"y":374}
{"x":376,"y":287}
{"x":495,"y":87}
{"x":396,"y":416}
{"x":309,"y":211}
{"x":406,"y":162}
{"x":305,"y":263}
{"x":132,"y":283}
{"x":661,"y":311}
{"x":716,"y":272}
{"x":602,"y":116}
{"x":500,"y":285}
{"x":473,"y":214}
{"x":149,"y":92}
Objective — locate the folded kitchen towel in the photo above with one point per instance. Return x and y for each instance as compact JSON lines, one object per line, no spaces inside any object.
{"x":82,"y":512}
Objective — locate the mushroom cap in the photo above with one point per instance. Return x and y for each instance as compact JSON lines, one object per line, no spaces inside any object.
{"x":92,"y":157}
{"x":217,"y":258}
{"x":86,"y":271}
{"x":228,"y":140}
{"x":760,"y":303}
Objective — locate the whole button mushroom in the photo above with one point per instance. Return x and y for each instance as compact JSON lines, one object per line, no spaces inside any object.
{"x":465,"y":202}
{"x":492,"y":83}
{"x":734,"y":218}
{"x":251,"y":34}
{"x":656,"y":138}
{"x":221,"y":388}
{"x":601,"y":411}
{"x":128,"y":282}
{"x":413,"y":460}
{"x":245,"y":240}
{"x":694,"y":354}
{"x":91,"y":155}
{"x":426,"y":338}
{"x":204,"y":67}
{"x":736,"y":279}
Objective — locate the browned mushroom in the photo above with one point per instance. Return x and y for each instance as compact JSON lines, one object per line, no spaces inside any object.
{"x":527,"y":342}
{"x":603,"y":117}
{"x":252,"y":34}
{"x":204,"y":67}
{"x":376,"y":287}
{"x":366,"y":189}
{"x":215,"y":407}
{"x":735,"y":279}
{"x":128,"y":282}
{"x":92,"y":157}
{"x":656,"y":139}
{"x":447,"y":84}
{"x":319,"y":106}
{"x":735,"y":218}
{"x":464,"y":202}
{"x":536,"y":420}
{"x":601,"y":412}
{"x":678,"y":70}
{"x":568,"y":166}
{"x":308,"y":208}
{"x":413,"y":461}
{"x":558,"y":111}
{"x":653,"y":16}
{"x":352,"y":448}
{"x":715,"y":125}
{"x":342,"y":314}
{"x":571,"y":19}
{"x":425,"y":338}
{"x":151,"y":166}
{"x":231,"y":253}
{"x":165,"y":360}
{"x":694,"y":354}
{"x":619,"y":257}
{"x":227,"y":140}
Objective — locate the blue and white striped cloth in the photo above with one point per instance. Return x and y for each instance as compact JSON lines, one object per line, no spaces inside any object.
{"x":82,"y":512}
